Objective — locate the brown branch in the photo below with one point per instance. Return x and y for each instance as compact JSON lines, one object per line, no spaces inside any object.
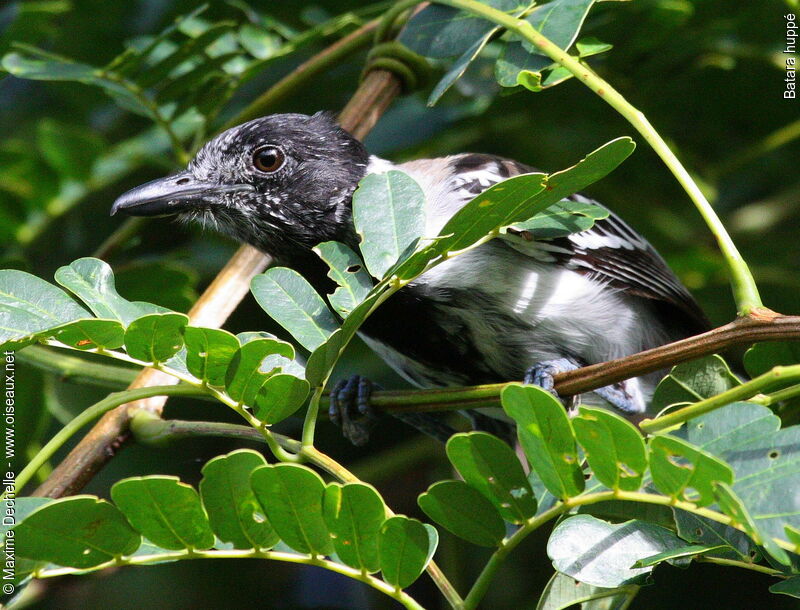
{"x":219,"y":300}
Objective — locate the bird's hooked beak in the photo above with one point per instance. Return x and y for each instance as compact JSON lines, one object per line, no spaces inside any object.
{"x":171,"y":195}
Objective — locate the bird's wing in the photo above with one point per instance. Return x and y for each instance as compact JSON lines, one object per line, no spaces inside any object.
{"x":610,"y":251}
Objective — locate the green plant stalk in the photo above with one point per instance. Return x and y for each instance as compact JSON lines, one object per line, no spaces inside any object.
{"x":88,"y":416}
{"x":136,"y":560}
{"x":303,"y":74}
{"x":481,"y":584}
{"x":745,"y":291}
{"x":779,"y":374}
{"x":741,"y":564}
{"x":76,"y":370}
{"x":781,"y":395}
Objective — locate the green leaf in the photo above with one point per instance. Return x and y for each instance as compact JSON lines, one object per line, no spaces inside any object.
{"x":389,"y":216}
{"x":601,"y":554}
{"x":760,"y":358}
{"x":155,"y":337}
{"x":346,"y":269}
{"x":790,"y":586}
{"x":563,"y":592}
{"x":29,"y":306}
{"x":463,"y":511}
{"x":68,"y":149}
{"x":764,"y":458}
{"x":78,"y":532}
{"x":732,"y":505}
{"x":279,"y":397}
{"x":590,"y":45}
{"x":680,"y":553}
{"x":613,"y":447}
{"x":91,"y":334}
{"x":291,"y":497}
{"x":249,"y":368}
{"x":209,"y":352}
{"x":165,"y":511}
{"x":515,"y":200}
{"x":692,"y":381}
{"x":291,"y":301}
{"x":405,"y":547}
{"x":233,"y":510}
{"x":559,"y":21}
{"x":731,"y":543}
{"x":442,"y":31}
{"x":546,"y":436}
{"x":92,"y":281}
{"x":515,"y":60}
{"x":460,"y":66}
{"x":324,"y":357}
{"x":490,"y":466}
{"x":354,"y":513}
{"x":563,"y":218}
{"x":685,"y":472}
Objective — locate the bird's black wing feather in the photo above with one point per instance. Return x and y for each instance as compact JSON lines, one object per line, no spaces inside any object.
{"x":609,"y":251}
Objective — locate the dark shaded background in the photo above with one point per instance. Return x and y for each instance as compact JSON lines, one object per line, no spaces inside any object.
{"x":707,"y":73}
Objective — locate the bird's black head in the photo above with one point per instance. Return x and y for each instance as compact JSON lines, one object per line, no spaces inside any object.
{"x":282,"y":183}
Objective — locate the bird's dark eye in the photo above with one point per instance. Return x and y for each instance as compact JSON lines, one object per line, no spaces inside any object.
{"x":268,"y":159}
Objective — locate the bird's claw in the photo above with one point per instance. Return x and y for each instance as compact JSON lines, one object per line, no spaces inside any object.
{"x":351,"y":410}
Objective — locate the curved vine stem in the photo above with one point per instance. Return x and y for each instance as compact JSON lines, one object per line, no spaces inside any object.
{"x":745,"y":291}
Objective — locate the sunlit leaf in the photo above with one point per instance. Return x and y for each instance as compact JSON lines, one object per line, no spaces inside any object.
{"x":463,"y":511}
{"x":546,"y":436}
{"x":155,"y":337}
{"x":346,"y":269}
{"x":613,"y":447}
{"x":279,"y":397}
{"x":388,"y":214}
{"x":491,"y":467}
{"x":601,"y":554}
{"x":209,"y":352}
{"x":91,"y":334}
{"x":291,"y":301}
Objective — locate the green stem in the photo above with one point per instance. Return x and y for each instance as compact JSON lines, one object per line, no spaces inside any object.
{"x":741,"y":564}
{"x":779,"y":374}
{"x":304,"y":73}
{"x":781,"y":395}
{"x":376,"y":583}
{"x":75,"y":369}
{"x":310,"y":422}
{"x":89,"y":415}
{"x":744,"y":288}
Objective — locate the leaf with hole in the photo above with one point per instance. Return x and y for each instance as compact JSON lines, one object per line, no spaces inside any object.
{"x":291,"y":301}
{"x":389,"y":216}
{"x":692,"y":381}
{"x":405,"y":548}
{"x":355,"y":513}
{"x":685,"y":472}
{"x":602,"y":554}
{"x":491,"y":467}
{"x":546,"y":436}
{"x":613,"y":447}
{"x":30,"y":306}
{"x":291,"y":497}
{"x":764,"y":457}
{"x":233,"y":511}
{"x":732,"y":505}
{"x":165,"y":511}
{"x":347,"y":270}
{"x":78,"y":532}
{"x":247,"y":372}
{"x":90,"y":334}
{"x":209,"y":352}
{"x":464,"y":512}
{"x":155,"y":337}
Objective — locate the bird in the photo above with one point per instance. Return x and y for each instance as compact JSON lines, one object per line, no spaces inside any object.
{"x":511,"y":309}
